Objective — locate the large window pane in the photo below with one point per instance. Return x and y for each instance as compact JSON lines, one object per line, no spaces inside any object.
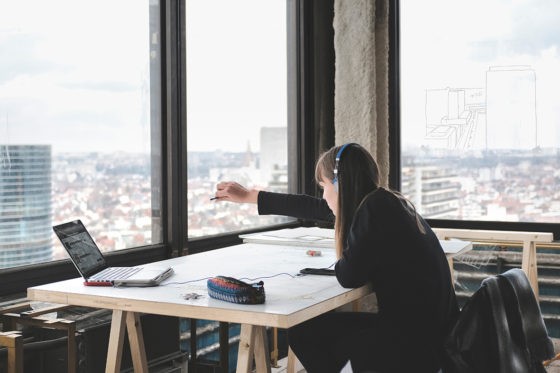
{"x":236,"y":108}
{"x":480,"y":118}
{"x":77,"y":119}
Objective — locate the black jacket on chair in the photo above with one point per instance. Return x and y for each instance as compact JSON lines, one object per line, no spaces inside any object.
{"x":500,"y":329}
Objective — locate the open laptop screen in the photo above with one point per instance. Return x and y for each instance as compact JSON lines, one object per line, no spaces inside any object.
{"x":80,"y":246}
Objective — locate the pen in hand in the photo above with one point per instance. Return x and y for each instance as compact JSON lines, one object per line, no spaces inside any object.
{"x":213,"y":198}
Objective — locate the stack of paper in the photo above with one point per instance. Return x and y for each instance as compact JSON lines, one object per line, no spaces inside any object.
{"x":323,"y":237}
{"x":302,"y":236}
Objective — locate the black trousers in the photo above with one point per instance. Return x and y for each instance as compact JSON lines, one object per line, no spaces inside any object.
{"x":327,"y":342}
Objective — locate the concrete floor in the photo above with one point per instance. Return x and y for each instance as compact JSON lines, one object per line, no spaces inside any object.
{"x":554,"y":366}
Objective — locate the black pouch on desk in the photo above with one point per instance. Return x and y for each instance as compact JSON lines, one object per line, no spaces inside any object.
{"x":318,"y":271}
{"x":233,"y":290}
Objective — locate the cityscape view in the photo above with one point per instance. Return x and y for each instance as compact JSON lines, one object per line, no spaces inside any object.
{"x":479,"y":121}
{"x":507,"y":185}
{"x":480,"y":157}
{"x":111,"y":193}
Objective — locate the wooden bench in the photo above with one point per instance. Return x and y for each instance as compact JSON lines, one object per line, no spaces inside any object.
{"x":14,"y":314}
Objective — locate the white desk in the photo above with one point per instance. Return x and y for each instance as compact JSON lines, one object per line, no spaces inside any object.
{"x":289,"y":301}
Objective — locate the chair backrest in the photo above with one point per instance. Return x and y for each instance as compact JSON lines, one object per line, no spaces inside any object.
{"x":500,"y":329}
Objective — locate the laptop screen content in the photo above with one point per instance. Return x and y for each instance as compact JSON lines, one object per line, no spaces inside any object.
{"x":80,"y":246}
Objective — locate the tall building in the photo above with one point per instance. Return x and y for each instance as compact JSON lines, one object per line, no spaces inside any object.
{"x":434,"y":191}
{"x":274,"y":158}
{"x":25,"y":205}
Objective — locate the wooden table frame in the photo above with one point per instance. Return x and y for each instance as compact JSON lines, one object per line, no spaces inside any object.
{"x":290,"y":300}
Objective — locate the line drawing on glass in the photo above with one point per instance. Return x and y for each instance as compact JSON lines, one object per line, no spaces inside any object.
{"x":501,"y":115}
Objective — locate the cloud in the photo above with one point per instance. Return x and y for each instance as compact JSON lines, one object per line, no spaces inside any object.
{"x":110,"y":86}
{"x":19,"y":57}
{"x":534,"y":27}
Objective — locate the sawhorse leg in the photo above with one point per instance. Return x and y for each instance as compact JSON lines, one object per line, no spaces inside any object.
{"x":253,"y":343}
{"x":121,"y":321}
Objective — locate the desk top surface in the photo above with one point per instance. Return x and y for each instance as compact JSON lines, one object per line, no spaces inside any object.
{"x":290,"y":299}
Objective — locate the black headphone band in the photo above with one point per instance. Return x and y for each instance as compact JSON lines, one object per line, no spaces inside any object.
{"x":337,"y":160}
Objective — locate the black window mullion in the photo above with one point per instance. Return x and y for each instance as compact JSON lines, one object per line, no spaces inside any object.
{"x":394,"y":97}
{"x":175,"y":216}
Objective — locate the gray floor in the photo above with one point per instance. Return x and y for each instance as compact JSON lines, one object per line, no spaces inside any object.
{"x":554,"y":367}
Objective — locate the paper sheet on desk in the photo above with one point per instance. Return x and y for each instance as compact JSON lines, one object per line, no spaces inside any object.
{"x":324,"y":237}
{"x":302,"y":236}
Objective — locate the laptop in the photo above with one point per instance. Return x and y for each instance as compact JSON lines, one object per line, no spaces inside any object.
{"x":91,"y":264}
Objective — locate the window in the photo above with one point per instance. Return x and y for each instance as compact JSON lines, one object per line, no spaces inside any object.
{"x":236,"y":63}
{"x":79,"y":125}
{"x":479,"y":115}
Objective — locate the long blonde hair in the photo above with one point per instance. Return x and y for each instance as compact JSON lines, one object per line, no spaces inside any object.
{"x":357,"y":176}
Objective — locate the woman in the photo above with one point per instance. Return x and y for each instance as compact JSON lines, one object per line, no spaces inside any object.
{"x":381,"y":239}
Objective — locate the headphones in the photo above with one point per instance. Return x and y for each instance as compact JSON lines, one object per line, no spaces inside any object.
{"x":336,"y":161}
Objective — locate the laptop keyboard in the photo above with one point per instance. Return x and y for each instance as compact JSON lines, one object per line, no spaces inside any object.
{"x":115,"y":273}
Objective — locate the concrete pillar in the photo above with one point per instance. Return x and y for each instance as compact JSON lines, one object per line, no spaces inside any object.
{"x":361,"y":45}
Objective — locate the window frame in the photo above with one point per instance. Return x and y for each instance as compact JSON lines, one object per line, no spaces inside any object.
{"x":304,"y":96}
{"x":395,"y":146}
{"x":15,"y":281}
{"x":302,"y":149}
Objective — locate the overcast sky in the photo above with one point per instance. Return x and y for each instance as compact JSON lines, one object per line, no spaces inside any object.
{"x":457,"y":51}
{"x":236,"y":72}
{"x":72,"y":76}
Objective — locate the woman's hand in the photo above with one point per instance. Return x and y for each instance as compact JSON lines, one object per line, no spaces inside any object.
{"x":234,"y":192}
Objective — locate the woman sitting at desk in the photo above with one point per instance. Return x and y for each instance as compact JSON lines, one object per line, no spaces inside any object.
{"x":381,"y":239}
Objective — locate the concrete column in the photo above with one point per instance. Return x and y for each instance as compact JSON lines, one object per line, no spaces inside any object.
{"x":361,"y":45}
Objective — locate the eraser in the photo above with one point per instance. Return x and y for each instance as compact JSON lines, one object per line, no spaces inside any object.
{"x":313,"y":252}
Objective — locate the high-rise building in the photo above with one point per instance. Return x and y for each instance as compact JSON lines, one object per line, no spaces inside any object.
{"x":434,"y":191}
{"x":274,"y":158}
{"x":25,"y":205}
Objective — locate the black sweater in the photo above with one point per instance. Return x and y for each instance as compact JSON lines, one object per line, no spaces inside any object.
{"x":408,"y":269}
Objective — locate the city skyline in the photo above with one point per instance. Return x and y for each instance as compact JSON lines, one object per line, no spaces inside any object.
{"x":112,"y":193}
